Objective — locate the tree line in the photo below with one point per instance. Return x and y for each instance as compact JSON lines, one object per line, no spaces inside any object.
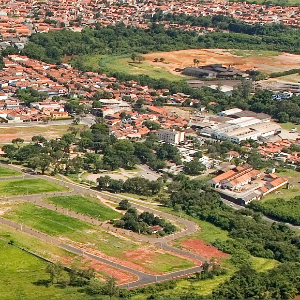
{"x":279,"y":209}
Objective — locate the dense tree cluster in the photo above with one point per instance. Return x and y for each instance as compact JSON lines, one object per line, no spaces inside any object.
{"x":250,"y":233}
{"x":30,"y":95}
{"x":134,"y":185}
{"x":281,"y":282}
{"x":142,"y":222}
{"x":280,"y":209}
{"x":51,"y":47}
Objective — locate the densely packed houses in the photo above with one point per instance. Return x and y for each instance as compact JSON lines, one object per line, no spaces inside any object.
{"x":21,"y":18}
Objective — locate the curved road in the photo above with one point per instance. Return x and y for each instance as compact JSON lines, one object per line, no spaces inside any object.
{"x":74,"y":188}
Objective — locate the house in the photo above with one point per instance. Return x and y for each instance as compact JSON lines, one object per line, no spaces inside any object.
{"x":155,"y":228}
{"x":59,"y":114}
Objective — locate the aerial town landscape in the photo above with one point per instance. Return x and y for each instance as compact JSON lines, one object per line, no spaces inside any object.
{"x":149,"y":149}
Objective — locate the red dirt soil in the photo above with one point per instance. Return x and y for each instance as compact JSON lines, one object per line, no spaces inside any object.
{"x":122,"y":276}
{"x":201,"y":248}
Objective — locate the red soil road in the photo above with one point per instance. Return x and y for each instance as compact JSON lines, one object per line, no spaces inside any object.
{"x":201,"y":248}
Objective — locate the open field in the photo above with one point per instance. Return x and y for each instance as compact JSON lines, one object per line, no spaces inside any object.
{"x":92,"y":207}
{"x":92,"y":239}
{"x":289,"y":125}
{"x":124,"y":64}
{"x":45,"y":220}
{"x":20,"y":274}
{"x":29,"y":186}
{"x":265,"y":61}
{"x":35,"y":245}
{"x":27,"y":132}
{"x":6,"y":172}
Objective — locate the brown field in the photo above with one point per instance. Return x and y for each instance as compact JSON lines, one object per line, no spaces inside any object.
{"x":26,"y":133}
{"x":120,"y":275}
{"x":201,"y":248}
{"x":264,"y":61}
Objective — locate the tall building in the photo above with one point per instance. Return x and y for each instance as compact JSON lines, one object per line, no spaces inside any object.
{"x":171,"y":136}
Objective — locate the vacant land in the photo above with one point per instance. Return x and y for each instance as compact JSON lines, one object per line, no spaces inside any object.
{"x":6,"y":172}
{"x":290,"y":126}
{"x":21,"y":273}
{"x":29,"y":186}
{"x":265,"y":61}
{"x":45,"y":220}
{"x":92,"y":207}
{"x":27,"y":132}
{"x":124,"y":64}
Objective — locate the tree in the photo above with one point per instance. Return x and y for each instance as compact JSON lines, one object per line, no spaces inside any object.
{"x":2,"y":64}
{"x":133,"y":57}
{"x":17,"y":142}
{"x":193,"y":167}
{"x":110,"y":287}
{"x":54,"y":270}
{"x":10,"y":151}
{"x":42,"y":161}
{"x":124,"y":205}
{"x":140,"y":58}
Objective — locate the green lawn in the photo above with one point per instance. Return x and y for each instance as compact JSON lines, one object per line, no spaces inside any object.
{"x":92,"y":207}
{"x":20,"y":274}
{"x":6,"y":172}
{"x":33,"y":244}
{"x":261,"y":264}
{"x":45,"y":220}
{"x":58,"y":224}
{"x":124,"y":64}
{"x":29,"y":186}
{"x":248,"y":53}
{"x":289,"y":126}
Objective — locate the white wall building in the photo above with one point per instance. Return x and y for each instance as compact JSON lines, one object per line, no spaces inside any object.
{"x":170,"y":136}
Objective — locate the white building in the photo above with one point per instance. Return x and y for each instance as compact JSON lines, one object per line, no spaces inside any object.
{"x":229,"y":112}
{"x":170,"y":136}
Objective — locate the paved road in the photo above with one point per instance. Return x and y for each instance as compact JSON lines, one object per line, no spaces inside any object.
{"x":144,"y":278}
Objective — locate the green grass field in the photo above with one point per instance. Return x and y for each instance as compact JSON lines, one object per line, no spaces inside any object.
{"x":6,"y":172}
{"x":123,"y":64}
{"x":20,"y":274}
{"x":92,"y":207}
{"x":33,"y":244}
{"x":289,"y":126}
{"x":29,"y":186}
{"x":248,"y":53}
{"x":45,"y":220}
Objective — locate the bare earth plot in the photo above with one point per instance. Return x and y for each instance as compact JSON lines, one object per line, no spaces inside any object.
{"x":265,"y":61}
{"x":48,"y":131}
